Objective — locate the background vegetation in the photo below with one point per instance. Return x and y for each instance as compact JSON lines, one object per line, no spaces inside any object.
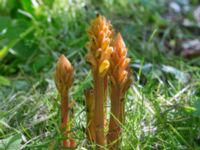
{"x":163,"y":104}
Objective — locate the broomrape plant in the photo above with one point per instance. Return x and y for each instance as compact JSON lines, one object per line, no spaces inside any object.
{"x":119,"y":83}
{"x":64,"y":79}
{"x":110,"y":68}
{"x":99,"y":51}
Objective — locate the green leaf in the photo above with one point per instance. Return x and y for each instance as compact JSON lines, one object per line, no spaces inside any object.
{"x":197,"y":107}
{"x":40,"y":62}
{"x":27,"y":6}
{"x":3,"y":52}
{"x":11,"y":143}
{"x":48,"y":2}
{"x":21,"y":85}
{"x":19,"y":48}
{"x":12,"y":33}
{"x":5,"y":22}
{"x":4,"y":81}
{"x":12,"y":27}
{"x":189,"y":109}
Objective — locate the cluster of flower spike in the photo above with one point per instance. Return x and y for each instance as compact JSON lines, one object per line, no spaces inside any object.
{"x":110,"y":64}
{"x":108,"y":59}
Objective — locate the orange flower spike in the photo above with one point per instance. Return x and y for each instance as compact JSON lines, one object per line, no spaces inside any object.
{"x":120,"y":63}
{"x":100,"y":34}
{"x":120,"y":81}
{"x":64,"y":79}
{"x":99,"y":52}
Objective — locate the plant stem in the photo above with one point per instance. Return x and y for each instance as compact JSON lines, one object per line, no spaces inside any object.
{"x":114,"y":132}
{"x":90,"y":103}
{"x":105,"y":100}
{"x":99,"y":109}
{"x":65,"y":118}
{"x":122,"y":105}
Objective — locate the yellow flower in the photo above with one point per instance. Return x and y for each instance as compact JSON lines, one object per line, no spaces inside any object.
{"x":103,"y":68}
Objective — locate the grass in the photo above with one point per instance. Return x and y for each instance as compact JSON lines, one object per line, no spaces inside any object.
{"x":162,"y":105}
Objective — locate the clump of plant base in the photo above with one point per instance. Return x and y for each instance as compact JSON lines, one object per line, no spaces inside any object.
{"x":110,"y":71}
